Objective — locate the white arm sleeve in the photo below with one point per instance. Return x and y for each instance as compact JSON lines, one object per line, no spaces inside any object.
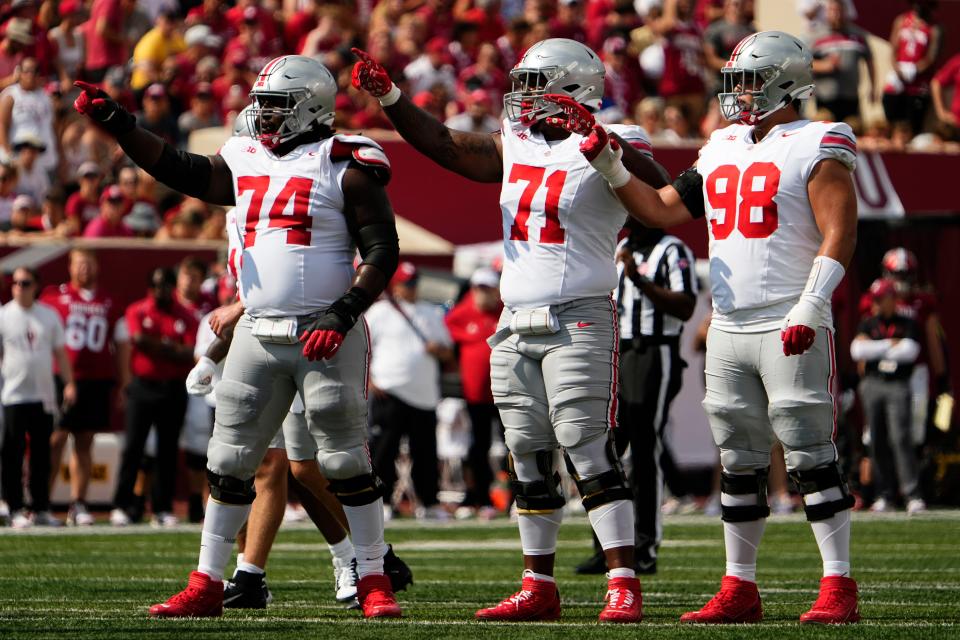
{"x":866,"y":349}
{"x":904,"y":351}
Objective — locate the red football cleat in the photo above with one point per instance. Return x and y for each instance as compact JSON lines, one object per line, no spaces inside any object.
{"x":837,"y":603}
{"x":624,"y":601}
{"x":376,"y":597}
{"x":203,"y":598}
{"x":737,"y":601}
{"x":536,"y":600}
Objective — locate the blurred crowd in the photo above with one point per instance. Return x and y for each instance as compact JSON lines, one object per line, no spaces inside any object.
{"x":188,"y":66}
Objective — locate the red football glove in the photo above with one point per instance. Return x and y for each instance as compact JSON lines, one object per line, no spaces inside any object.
{"x":576,"y":118}
{"x":94,"y":103}
{"x":593,"y":144}
{"x":321,"y":344}
{"x":369,"y":75}
{"x":797,"y":339}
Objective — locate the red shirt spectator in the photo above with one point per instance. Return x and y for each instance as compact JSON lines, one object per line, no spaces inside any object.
{"x":213,"y":14}
{"x":155,"y":323}
{"x":83,"y":205}
{"x":948,"y":76}
{"x":437,"y":18}
{"x":470,"y":323}
{"x":682,"y":61}
{"x":299,"y":25}
{"x":109,"y":224}
{"x":90,"y":317}
{"x":489,"y":23}
{"x":105,"y":44}
{"x":622,"y":79}
{"x":569,"y":22}
{"x":916,"y":43}
{"x":263,"y":18}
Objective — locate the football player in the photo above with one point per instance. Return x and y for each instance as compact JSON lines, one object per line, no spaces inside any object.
{"x":305,"y":197}
{"x":782,"y":217}
{"x":554,"y":359}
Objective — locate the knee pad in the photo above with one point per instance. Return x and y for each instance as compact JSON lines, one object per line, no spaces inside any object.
{"x":195,"y":461}
{"x":230,"y":490}
{"x":820,"y":479}
{"x":345,"y":463}
{"x":600,"y":488}
{"x":537,"y":496}
{"x":356,"y":491}
{"x":743,"y":485}
{"x":237,"y":403}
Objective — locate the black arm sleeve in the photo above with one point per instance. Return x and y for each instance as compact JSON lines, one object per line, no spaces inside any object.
{"x":379,"y":246}
{"x":689,"y":185}
{"x":185,"y":172}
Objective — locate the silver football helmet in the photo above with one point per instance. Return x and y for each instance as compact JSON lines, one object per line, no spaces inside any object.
{"x":241,"y":125}
{"x":555,"y":65}
{"x":290,"y":94}
{"x":773,"y":67}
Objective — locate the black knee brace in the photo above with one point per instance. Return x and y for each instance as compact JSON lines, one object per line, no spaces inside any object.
{"x":538,"y":495}
{"x":230,"y":490}
{"x":358,"y":490}
{"x":195,"y":461}
{"x":820,"y":479}
{"x":742,"y":485}
{"x":602,"y":488}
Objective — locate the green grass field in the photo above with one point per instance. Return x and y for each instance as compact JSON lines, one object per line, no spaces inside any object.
{"x":98,"y":583}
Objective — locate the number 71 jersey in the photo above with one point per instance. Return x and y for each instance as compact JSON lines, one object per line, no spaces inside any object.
{"x":295,"y":254}
{"x":763,"y":234}
{"x":560,"y":219}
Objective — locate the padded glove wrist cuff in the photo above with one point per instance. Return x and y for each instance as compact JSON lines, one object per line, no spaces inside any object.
{"x":390,"y":97}
{"x":825,"y":275}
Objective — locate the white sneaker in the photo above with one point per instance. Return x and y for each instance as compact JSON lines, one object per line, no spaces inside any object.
{"x":78,"y":516}
{"x":46,"y":519}
{"x":487,"y":513}
{"x":345,"y":580}
{"x":21,"y":520}
{"x":464,"y":512}
{"x":915,"y":506}
{"x":164,"y":520}
{"x":880,"y":505}
{"x":435,"y":512}
{"x":119,"y":518}
{"x":4,"y":514}
{"x":294,"y":513}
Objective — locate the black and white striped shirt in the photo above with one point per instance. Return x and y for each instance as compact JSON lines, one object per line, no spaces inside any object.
{"x":669,"y":264}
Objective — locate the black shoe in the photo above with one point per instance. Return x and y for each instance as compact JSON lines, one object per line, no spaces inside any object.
{"x":594,"y":565}
{"x":397,"y":570}
{"x":195,"y":512}
{"x":644,"y":563}
{"x":246,"y":590}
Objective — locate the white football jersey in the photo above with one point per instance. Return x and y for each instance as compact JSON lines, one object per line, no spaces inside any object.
{"x":560,"y":219}
{"x":763,"y":235}
{"x":296,"y":253}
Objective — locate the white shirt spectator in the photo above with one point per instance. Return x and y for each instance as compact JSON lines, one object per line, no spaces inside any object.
{"x":465,"y":122}
{"x":33,"y":111}
{"x":422,"y":76}
{"x":400,"y":364}
{"x":815,"y":13}
{"x":29,"y":337}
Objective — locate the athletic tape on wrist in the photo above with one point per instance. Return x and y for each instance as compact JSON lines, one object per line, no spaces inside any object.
{"x":390,"y":97}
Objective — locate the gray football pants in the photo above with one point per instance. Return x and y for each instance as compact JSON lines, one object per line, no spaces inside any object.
{"x":259,"y":382}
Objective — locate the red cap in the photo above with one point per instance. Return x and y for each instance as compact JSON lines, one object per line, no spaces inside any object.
{"x":436,"y":45}
{"x":68,"y":7}
{"x":112,"y":192}
{"x":425,"y":100}
{"x":479,"y":96}
{"x":406,"y":273}
{"x":883,"y":287}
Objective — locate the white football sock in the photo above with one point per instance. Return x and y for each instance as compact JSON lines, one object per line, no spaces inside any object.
{"x":539,"y":531}
{"x":621,"y":572}
{"x":538,"y":576}
{"x":742,"y":539}
{"x":832,"y":534}
{"x":342,"y":551}
{"x":250,"y":568}
{"x":366,"y":529}
{"x":613,"y":524}
{"x":221,"y":523}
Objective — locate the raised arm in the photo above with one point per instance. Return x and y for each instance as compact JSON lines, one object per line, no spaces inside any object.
{"x":476,"y":156}
{"x":204,"y":177}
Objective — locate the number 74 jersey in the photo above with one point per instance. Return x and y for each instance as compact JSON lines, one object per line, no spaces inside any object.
{"x":560,"y":219}
{"x":763,"y":234}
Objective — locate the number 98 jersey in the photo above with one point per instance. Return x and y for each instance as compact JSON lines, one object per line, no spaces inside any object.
{"x":560,"y":219}
{"x":296,"y":253}
{"x":763,"y":234}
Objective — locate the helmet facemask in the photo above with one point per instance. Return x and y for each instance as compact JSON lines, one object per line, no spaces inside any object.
{"x":524,"y":103}
{"x":273,"y":117}
{"x":738,"y":82}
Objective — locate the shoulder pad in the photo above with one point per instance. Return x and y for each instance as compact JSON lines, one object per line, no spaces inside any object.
{"x":635,"y":136}
{"x":839,"y":142}
{"x":364,"y":153}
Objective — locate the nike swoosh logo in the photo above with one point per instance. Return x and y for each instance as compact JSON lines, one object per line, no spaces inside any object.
{"x":581,"y":325}
{"x":790,"y":134}
{"x":232,"y":598}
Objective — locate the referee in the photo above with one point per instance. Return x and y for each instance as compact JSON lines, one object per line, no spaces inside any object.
{"x":656,"y":294}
